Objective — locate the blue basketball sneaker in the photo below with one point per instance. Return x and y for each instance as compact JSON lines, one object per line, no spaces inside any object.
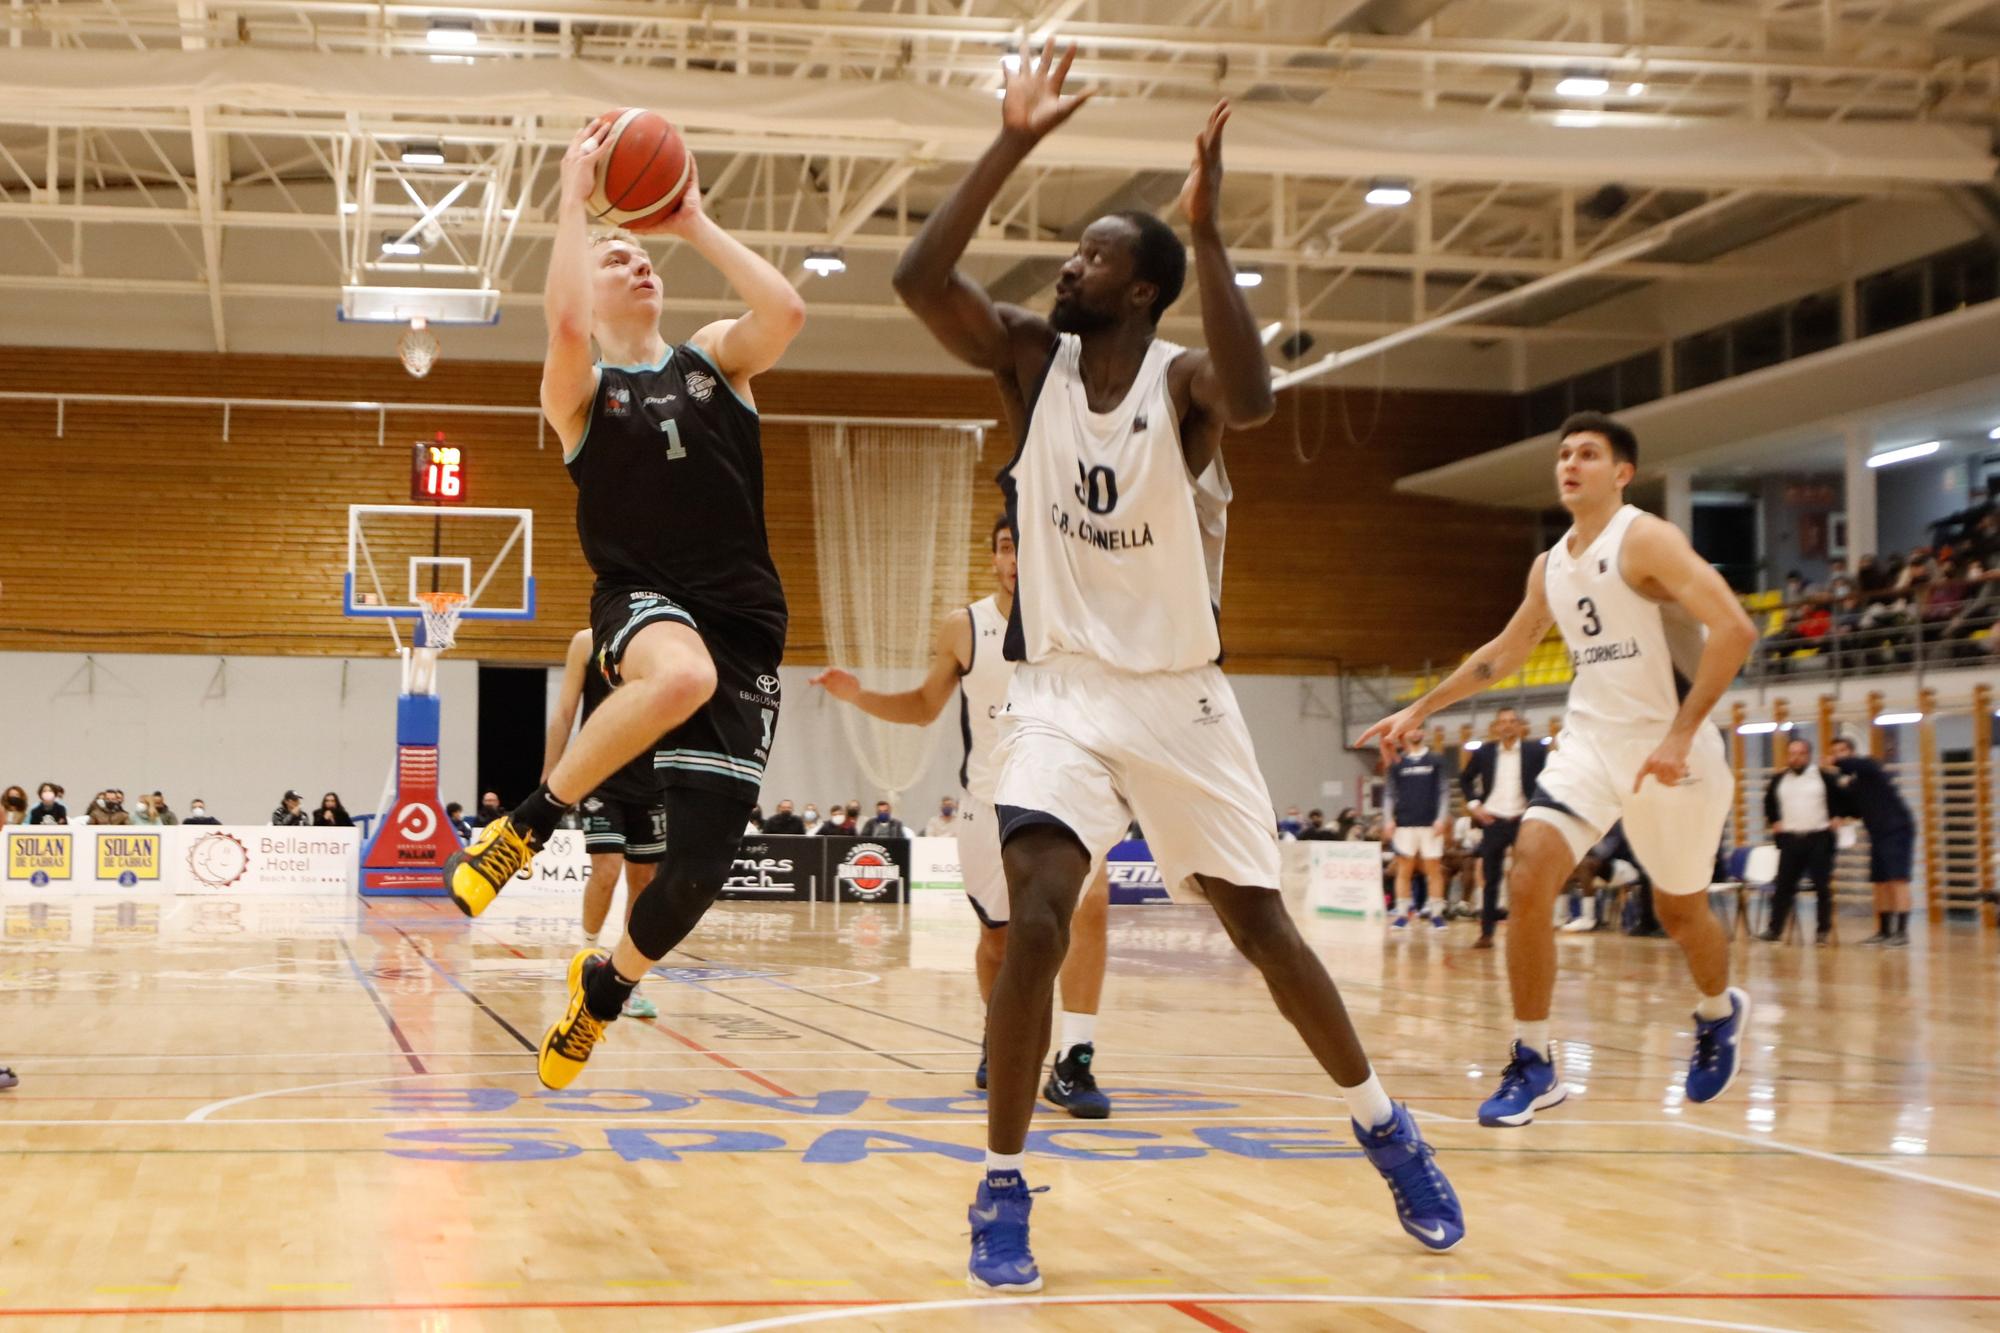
{"x":1426,"y":1204}
{"x":1528,"y":1084}
{"x":979,"y":1079}
{"x":999,"y":1216}
{"x":1716,"y":1043}
{"x":1402,"y":921}
{"x":1073,"y":1087}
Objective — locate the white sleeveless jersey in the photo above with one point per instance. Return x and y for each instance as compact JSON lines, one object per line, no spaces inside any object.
{"x":1120,"y":552}
{"x":982,"y":693}
{"x":1634,"y":658}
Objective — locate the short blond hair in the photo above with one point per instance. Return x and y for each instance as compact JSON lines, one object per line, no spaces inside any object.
{"x":606,"y":235}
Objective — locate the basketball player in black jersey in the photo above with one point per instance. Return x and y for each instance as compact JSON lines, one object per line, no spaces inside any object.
{"x":624,"y":820}
{"x":687,"y":618}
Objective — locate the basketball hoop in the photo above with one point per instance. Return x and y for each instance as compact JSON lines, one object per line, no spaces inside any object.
{"x":418,"y":348}
{"x":441,"y":612}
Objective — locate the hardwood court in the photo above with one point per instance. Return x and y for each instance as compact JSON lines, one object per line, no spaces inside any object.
{"x":318,"y":1114}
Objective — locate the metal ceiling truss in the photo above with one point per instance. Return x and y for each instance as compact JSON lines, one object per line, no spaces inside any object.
{"x":74,"y":185}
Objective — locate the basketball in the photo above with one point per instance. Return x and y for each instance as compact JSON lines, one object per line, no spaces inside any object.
{"x":646,"y":171}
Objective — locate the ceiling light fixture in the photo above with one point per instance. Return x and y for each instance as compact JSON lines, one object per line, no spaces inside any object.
{"x":1993,"y":434}
{"x":1635,"y":90}
{"x":1249,"y":277}
{"x":1897,"y":719}
{"x":1269,"y":333}
{"x":394,"y":244}
{"x":1578,"y":120}
{"x":826,"y":260}
{"x":1388,"y":193}
{"x":1905,"y":454}
{"x":455,"y":33}
{"x":1583,"y":85}
{"x":423,"y":154}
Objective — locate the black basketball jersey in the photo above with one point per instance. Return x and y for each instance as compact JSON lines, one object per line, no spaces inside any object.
{"x":638,"y":781}
{"x":670,"y":493}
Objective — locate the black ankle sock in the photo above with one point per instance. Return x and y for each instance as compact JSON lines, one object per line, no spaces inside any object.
{"x":1887,"y":922}
{"x":537,"y":816}
{"x":605,"y":992}
{"x":1902,"y":923}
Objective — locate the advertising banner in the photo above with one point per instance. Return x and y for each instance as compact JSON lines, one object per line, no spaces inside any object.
{"x":1344,"y":879}
{"x":194,"y":859}
{"x":783,"y":868}
{"x":934,"y":864}
{"x":1134,"y":877}
{"x":859,"y":870}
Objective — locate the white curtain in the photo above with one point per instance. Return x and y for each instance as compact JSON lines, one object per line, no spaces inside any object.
{"x":892,"y":529}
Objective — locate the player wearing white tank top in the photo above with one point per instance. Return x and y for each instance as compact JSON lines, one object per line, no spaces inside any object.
{"x":1632,"y":599}
{"x":966,"y":660}
{"x":1118,"y":705}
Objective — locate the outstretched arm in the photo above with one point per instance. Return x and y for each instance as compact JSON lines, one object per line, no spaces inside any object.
{"x":750,"y":344}
{"x":1500,"y":658}
{"x":569,"y":375}
{"x":951,"y":652}
{"x":1232,"y":382}
{"x":957,"y":312}
{"x":562,"y":718}
{"x":1659,"y":560}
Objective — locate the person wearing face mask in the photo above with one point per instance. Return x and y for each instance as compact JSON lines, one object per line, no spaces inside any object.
{"x":811,"y":819}
{"x":49,"y":808}
{"x":14,"y":806}
{"x":783,"y":822}
{"x":198,"y":813}
{"x":945,"y":821}
{"x":153,"y":810}
{"x":109,"y":808}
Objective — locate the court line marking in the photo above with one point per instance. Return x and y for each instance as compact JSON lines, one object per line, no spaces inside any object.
{"x":662,"y":971}
{"x":720,"y":1059}
{"x":463,"y":989}
{"x":1207,"y":1318}
{"x":381,"y":1006}
{"x":1179,"y":1300}
{"x":500,"y":1120}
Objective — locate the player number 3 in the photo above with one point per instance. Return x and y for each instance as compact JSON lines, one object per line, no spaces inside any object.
{"x":1592,"y":626}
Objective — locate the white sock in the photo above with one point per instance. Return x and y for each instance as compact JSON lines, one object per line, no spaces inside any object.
{"x":1589,"y":910}
{"x":1005,"y":1161}
{"x":1715,"y":1006}
{"x":1534,"y":1036}
{"x":1368,"y":1104}
{"x":1077,"y":1029}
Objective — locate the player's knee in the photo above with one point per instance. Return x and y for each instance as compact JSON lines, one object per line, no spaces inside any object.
{"x":1037,"y":936}
{"x":992,"y":943}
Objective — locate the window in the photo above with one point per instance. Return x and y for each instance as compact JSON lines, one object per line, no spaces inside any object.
{"x":1962,"y":277}
{"x":1639,"y":379}
{"x":1891,"y":299}
{"x":1702,"y":358}
{"x":1596,"y":390}
{"x":1815,"y":323}
{"x":1759,"y":342}
{"x":1547,"y":406}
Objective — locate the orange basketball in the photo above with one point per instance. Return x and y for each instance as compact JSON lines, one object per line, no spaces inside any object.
{"x":646,"y":171}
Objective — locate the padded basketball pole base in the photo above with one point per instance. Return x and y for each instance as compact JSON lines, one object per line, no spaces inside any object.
{"x":405,"y":854}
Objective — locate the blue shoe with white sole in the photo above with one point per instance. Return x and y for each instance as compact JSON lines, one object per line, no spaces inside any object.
{"x":1528,"y":1084}
{"x":1001,"y":1261}
{"x":1717,"y":1043}
{"x":1426,"y":1204}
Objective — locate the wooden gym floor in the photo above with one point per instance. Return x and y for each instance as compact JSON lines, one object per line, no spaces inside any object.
{"x":318,"y":1115}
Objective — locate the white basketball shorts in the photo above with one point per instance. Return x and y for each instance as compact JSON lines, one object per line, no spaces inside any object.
{"x":1674,"y":831}
{"x":1092,"y":748}
{"x":978,"y":834}
{"x":1423,"y":842}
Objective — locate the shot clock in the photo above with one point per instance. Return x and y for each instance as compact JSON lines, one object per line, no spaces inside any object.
{"x":437,"y":472}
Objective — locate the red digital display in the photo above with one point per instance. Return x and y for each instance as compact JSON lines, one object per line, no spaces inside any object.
{"x":437,"y":472}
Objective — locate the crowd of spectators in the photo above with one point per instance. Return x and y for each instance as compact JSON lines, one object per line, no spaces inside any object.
{"x":1891,"y":607}
{"x":152,"y":810}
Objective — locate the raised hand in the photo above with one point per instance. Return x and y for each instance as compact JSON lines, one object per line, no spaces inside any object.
{"x":682,"y":218}
{"x":842,"y":685}
{"x":1392,"y":733}
{"x":1204,"y":183}
{"x":1033,"y":103}
{"x":579,"y":161}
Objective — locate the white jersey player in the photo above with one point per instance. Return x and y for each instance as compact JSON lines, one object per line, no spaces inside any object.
{"x":1632,"y":599}
{"x":967,"y":660}
{"x":1118,"y":707}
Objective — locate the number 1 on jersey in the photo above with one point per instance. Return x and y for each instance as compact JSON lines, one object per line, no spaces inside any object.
{"x":675,"y":450}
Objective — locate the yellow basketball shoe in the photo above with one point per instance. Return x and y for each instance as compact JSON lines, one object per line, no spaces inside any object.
{"x":495,"y":855}
{"x":566,"y":1046}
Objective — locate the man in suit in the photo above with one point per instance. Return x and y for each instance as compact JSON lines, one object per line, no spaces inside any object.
{"x":1870,"y":795}
{"x":1497,"y":781}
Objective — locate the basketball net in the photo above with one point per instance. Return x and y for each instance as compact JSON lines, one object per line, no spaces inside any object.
{"x":441,"y":611}
{"x":418,"y":348}
{"x":892,"y":529}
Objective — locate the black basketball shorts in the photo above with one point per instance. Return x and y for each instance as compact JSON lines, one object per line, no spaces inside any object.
{"x":635,"y":830}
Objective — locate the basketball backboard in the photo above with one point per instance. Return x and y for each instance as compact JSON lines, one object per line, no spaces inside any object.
{"x":396,"y":552}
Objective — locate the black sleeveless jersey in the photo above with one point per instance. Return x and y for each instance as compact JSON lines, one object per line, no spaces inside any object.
{"x":638,"y":782}
{"x":670,"y":494}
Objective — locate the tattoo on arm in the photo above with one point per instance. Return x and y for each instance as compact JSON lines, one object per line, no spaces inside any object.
{"x":1483,"y":670}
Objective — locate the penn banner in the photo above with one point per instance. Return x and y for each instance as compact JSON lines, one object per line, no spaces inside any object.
{"x":781,"y":868}
{"x":1134,"y":876}
{"x":865,"y":870}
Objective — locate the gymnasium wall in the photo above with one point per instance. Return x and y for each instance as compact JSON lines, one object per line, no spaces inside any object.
{"x":141,"y":530}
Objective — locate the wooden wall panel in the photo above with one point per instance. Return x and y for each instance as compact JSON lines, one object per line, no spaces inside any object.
{"x":142,"y":530}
